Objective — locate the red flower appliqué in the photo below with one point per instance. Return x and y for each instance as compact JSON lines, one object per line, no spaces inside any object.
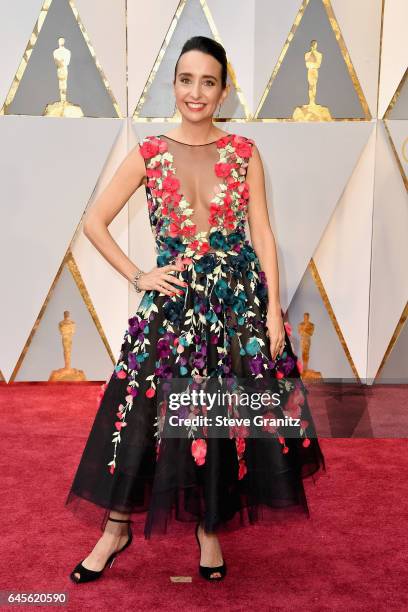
{"x":242,"y":146}
{"x":242,"y":468}
{"x":152,"y":146}
{"x":171,"y":183}
{"x":199,"y":450}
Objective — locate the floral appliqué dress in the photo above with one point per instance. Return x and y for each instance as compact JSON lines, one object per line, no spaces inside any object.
{"x":215,"y":329}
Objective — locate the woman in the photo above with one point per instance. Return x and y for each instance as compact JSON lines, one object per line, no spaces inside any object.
{"x":210,"y":309}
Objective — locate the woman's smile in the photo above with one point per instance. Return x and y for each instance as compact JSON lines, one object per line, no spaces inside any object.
{"x":195,"y":106}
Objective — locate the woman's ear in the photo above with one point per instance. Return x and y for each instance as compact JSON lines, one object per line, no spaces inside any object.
{"x":225,"y":93}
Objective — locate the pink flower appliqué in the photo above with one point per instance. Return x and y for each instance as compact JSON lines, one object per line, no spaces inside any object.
{"x":150,"y":392}
{"x":199,"y":451}
{"x":242,"y":146}
{"x":242,"y":468}
{"x":223,"y":169}
{"x":288,"y":328}
{"x":152,"y":146}
{"x":294,"y":403}
{"x":171,"y":183}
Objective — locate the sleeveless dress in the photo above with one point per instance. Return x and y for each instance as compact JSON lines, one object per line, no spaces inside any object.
{"x":214,"y":332}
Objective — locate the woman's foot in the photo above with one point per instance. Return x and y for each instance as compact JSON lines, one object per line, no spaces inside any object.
{"x":105,"y":546}
{"x":211,"y":555}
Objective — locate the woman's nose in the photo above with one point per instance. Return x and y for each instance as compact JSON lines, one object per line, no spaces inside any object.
{"x":196,"y":91}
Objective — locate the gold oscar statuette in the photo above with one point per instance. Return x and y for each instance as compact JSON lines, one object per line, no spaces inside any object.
{"x":306,"y":330}
{"x":62,"y":108}
{"x":312,"y":111}
{"x":67,"y":330}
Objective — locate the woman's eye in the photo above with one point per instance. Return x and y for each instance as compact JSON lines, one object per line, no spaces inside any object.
{"x":185,"y":80}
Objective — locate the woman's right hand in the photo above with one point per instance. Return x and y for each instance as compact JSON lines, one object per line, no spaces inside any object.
{"x":160,"y":279}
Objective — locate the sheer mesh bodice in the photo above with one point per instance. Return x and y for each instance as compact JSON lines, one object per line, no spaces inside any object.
{"x":197,"y":194}
{"x":194,"y":166}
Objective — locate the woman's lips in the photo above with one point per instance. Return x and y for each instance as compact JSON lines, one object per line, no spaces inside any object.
{"x":195,"y":106}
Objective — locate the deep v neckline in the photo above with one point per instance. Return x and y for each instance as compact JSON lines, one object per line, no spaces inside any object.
{"x":222,"y":185}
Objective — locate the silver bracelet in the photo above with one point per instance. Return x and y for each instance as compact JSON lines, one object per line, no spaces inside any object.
{"x":135,"y":280}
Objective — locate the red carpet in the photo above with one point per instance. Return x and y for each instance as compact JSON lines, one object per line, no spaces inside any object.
{"x":351,"y":555}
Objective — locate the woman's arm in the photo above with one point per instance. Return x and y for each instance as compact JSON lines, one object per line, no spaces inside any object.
{"x":262,"y":236}
{"x":264,"y":245}
{"x":127,"y":178}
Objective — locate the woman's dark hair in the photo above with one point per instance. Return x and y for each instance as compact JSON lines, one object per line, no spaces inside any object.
{"x":209,"y":46}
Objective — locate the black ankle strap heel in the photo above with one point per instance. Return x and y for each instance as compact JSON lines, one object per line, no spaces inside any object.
{"x":87,"y":575}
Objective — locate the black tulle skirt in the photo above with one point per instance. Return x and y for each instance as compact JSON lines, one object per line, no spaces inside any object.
{"x":217,"y":329}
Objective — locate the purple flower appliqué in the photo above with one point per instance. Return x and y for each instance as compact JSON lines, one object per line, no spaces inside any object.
{"x":287,"y":366}
{"x":255,"y":363}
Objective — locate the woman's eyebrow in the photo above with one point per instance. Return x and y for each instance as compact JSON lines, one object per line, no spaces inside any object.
{"x":211,"y":76}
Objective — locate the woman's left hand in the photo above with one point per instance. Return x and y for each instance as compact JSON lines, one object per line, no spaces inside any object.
{"x":276,"y":329}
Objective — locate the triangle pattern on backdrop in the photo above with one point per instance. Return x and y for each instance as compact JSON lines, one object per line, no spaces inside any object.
{"x":110,"y":50}
{"x":301,"y":85}
{"x":36,"y":86}
{"x":44,"y":351}
{"x":394,"y":366}
{"x":345,"y":272}
{"x":56,"y":152}
{"x":328,"y":354}
{"x":397,"y":132}
{"x":304,"y":182}
{"x":388,"y":289}
{"x":398,"y":107}
{"x":157,"y":99}
{"x":16,"y":27}
{"x":393,"y":51}
{"x":108,"y":289}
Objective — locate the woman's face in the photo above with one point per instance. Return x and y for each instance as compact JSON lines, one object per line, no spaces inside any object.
{"x":197,"y":87}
